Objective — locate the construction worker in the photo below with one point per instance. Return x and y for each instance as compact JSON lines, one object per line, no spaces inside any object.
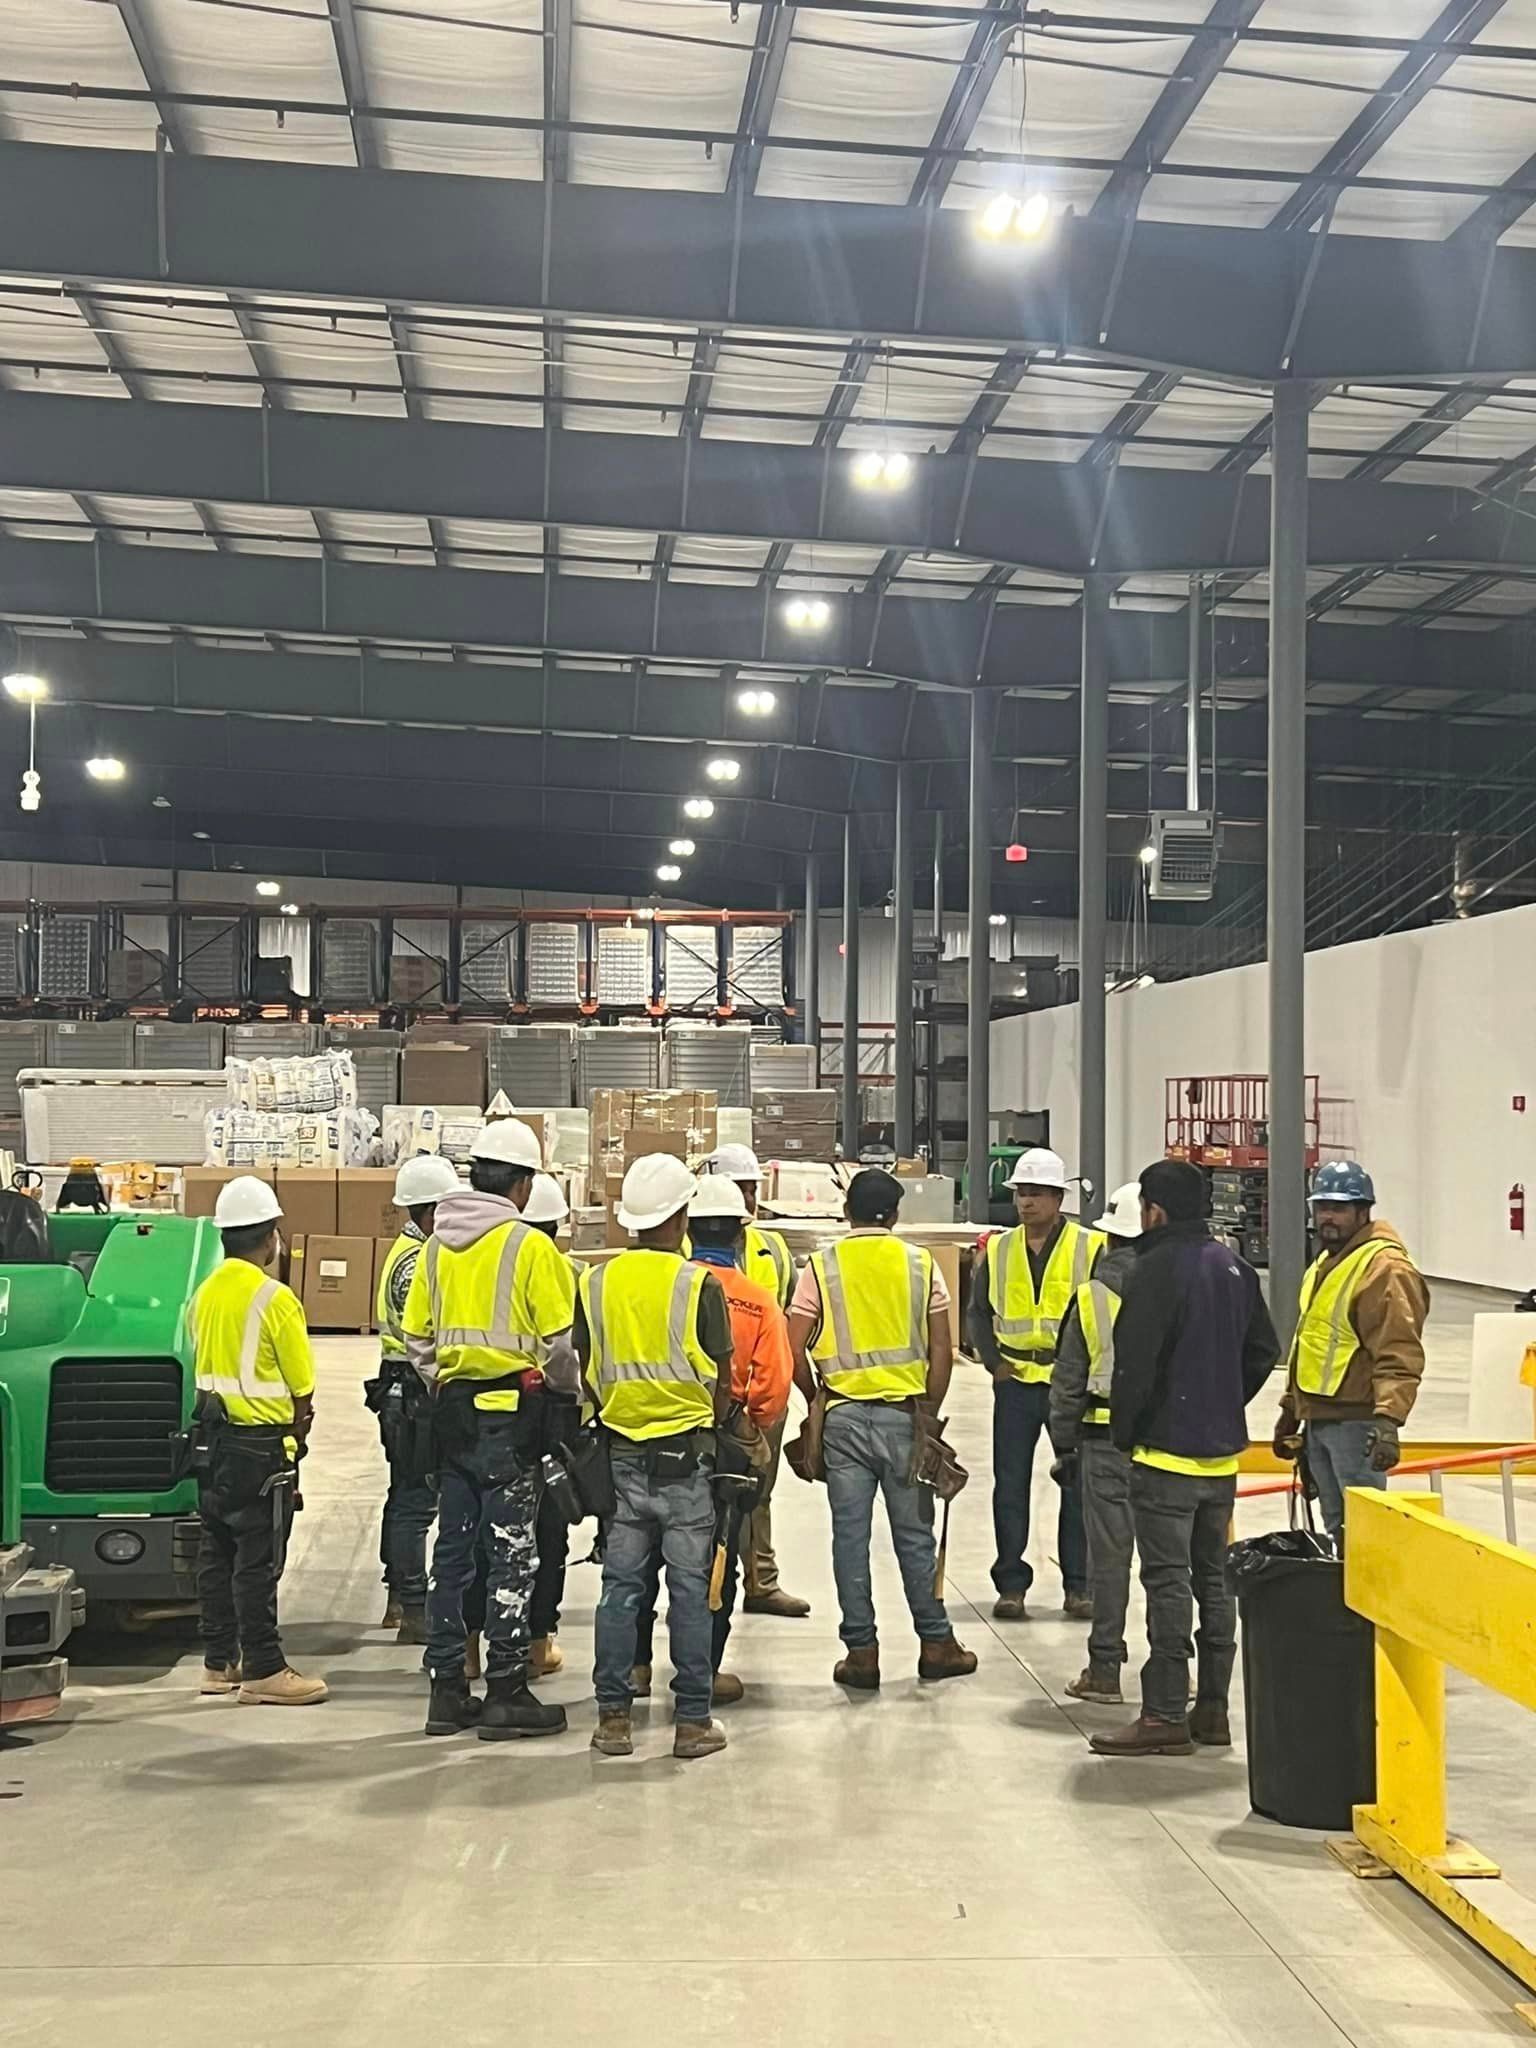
{"x":768,"y":1261}
{"x":1358,"y":1353}
{"x":546,"y":1209}
{"x":1079,"y":1426}
{"x":1020,"y":1292}
{"x":870,"y":1319}
{"x":402,"y":1405}
{"x":255,"y":1403}
{"x":760,"y":1383}
{"x":489,"y":1310}
{"x":653,"y":1333}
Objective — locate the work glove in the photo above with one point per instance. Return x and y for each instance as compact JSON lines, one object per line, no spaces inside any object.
{"x":1287,"y":1444}
{"x":1382,"y":1446}
{"x":1064,"y":1470}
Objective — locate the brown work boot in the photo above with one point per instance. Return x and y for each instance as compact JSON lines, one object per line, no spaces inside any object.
{"x":413,"y":1625}
{"x":789,"y":1605}
{"x":612,"y":1736}
{"x":1009,"y":1607}
{"x":640,"y":1681}
{"x":545,"y":1657}
{"x":1145,"y":1736}
{"x":1099,"y":1685}
{"x":1209,"y":1726}
{"x":394,"y":1612}
{"x":698,"y":1738}
{"x":948,"y":1659}
{"x":860,"y":1669}
{"x":728,"y":1689}
{"x":1078,"y":1607}
{"x":219,"y":1679}
{"x":473,"y":1665}
{"x":285,"y":1688}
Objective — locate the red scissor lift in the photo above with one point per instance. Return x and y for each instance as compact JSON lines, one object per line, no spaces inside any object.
{"x":1223,"y":1119}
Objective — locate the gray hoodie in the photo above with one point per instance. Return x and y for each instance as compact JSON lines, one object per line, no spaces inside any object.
{"x":462,"y":1220}
{"x":1069,"y":1377}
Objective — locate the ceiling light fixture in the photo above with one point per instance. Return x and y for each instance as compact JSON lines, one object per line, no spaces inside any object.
{"x":882,"y":469}
{"x":997,"y":917}
{"x":1006,"y":214}
{"x":269,"y":888}
{"x":807,"y":614}
{"x":105,"y":768}
{"x":699,"y":807}
{"x":25,"y":688}
{"x":1148,"y":855}
{"x":161,"y":803}
{"x":756,"y":703}
{"x":681,"y":847}
{"x":669,"y":871}
{"x":289,"y":909}
{"x":722,"y":768}
{"x":199,"y":835}
{"x":647,"y":911}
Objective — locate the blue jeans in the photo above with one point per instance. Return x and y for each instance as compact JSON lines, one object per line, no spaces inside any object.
{"x":680,"y":1516}
{"x":1019,"y":1412}
{"x":488,"y":1501}
{"x":1337,"y":1458}
{"x":868,"y":1446}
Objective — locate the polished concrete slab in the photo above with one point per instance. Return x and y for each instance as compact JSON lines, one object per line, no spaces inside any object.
{"x":936,"y":1864}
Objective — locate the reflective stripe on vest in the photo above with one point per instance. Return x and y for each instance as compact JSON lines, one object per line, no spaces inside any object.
{"x":1325,"y":1340}
{"x":249,"y":1383}
{"x":662,"y":1382}
{"x":1027,"y":1328}
{"x":457,"y":1343}
{"x":873,"y":1340}
{"x":768,"y":1243}
{"x":1097,"y":1308}
{"x":385,"y":1314}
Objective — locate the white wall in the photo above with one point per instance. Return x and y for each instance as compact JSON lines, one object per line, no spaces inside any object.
{"x":1420,"y":1041}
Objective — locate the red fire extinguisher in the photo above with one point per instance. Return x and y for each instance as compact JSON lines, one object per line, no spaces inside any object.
{"x":1517,"y":1208}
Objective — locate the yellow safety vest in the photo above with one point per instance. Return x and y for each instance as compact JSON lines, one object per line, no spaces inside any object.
{"x":1027,"y":1329}
{"x":767,"y":1246}
{"x":1325,"y":1339}
{"x":251,"y":1344}
{"x":648,"y":1371}
{"x":873,"y":1341}
{"x":391,"y":1331}
{"x":491,"y":1308}
{"x":1097,"y":1308}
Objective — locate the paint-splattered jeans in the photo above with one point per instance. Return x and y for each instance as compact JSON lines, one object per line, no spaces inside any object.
{"x":486,"y":1496}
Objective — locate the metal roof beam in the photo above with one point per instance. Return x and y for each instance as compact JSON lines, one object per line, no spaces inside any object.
{"x":991,"y":40}
{"x":775,"y":33}
{"x":148,"y":59}
{"x":1199,"y":68}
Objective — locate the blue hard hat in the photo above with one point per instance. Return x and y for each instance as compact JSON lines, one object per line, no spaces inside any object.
{"x":1342,"y":1180}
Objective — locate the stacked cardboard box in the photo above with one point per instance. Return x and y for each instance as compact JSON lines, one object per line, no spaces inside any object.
{"x":627,"y":1123}
{"x":794,"y":1123}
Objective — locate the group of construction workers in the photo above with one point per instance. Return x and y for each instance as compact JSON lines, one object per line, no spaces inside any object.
{"x":518,"y":1395}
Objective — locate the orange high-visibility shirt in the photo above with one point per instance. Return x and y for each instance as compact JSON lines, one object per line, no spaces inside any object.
{"x":761,"y":1367}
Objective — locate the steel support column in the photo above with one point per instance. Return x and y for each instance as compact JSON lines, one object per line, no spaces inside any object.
{"x":1192,"y":694}
{"x":906,"y":1095}
{"x":810,"y":962}
{"x":1287,"y":849}
{"x":938,"y":879}
{"x":1092,"y":859}
{"x":979,"y":936}
{"x":850,"y":1121}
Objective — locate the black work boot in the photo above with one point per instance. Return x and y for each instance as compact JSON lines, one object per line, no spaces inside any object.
{"x":452,"y":1708}
{"x":512,"y":1710}
{"x":1209,"y":1725}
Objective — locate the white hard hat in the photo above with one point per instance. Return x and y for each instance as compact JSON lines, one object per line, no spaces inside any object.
{"x":718,"y":1195}
{"x":545,"y":1203}
{"x":509,"y":1143}
{"x":736,"y":1162}
{"x":655,"y":1188}
{"x":246,"y":1200}
{"x":426,"y":1178}
{"x":1038,"y":1168}
{"x":1122,"y":1215}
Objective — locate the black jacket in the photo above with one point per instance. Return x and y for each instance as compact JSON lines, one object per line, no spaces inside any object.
{"x":1193,"y":1345}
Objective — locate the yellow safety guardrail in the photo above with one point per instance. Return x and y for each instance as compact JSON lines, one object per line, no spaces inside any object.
{"x":1437,"y":1594}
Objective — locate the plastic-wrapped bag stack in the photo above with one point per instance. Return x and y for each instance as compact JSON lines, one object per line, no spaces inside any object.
{"x":298,"y":1112}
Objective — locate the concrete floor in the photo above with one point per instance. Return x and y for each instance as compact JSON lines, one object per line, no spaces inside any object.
{"x":937,"y":1865}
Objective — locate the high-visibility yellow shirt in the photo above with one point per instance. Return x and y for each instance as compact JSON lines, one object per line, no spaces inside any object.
{"x":251,"y":1343}
{"x":649,"y":1374}
{"x":1325,"y":1339}
{"x":1027,"y":1327}
{"x":1097,"y":1308}
{"x":385,"y":1312}
{"x":872,"y":1344}
{"x":490,"y":1309}
{"x":1192,"y":1468}
{"x":769,"y":1263}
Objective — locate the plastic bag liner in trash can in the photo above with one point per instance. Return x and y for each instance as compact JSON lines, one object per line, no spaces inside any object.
{"x":1309,"y":1682}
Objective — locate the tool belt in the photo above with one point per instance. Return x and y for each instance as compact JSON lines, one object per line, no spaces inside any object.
{"x":933,"y":1459}
{"x":667,"y":1459}
{"x":399,"y":1398}
{"x":741,"y":1463}
{"x":458,"y":1424}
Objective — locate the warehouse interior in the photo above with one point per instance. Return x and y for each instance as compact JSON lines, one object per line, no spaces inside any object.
{"x":884,"y":582}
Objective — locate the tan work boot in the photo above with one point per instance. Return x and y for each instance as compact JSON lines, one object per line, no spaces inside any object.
{"x":612,"y":1735}
{"x":1078,"y":1606}
{"x":1099,"y":1685}
{"x":860,"y":1669}
{"x":640,"y":1681}
{"x":728,"y":1689}
{"x":219,"y":1679}
{"x":472,"y":1664}
{"x":394,"y":1612}
{"x":698,"y":1738}
{"x":1009,"y":1607}
{"x":948,"y":1659}
{"x":545,"y":1657}
{"x":285,"y":1688}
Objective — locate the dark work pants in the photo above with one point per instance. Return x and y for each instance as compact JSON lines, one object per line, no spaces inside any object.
{"x":1104,"y":1477}
{"x":1019,"y":1412}
{"x":554,"y":1538}
{"x":409,"y":1509}
{"x":487,"y":1502}
{"x":1182,"y":1524}
{"x":720,"y":1620}
{"x":237,"y":1575}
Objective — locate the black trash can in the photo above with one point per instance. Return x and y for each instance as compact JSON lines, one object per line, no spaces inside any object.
{"x":1309,"y":1682}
